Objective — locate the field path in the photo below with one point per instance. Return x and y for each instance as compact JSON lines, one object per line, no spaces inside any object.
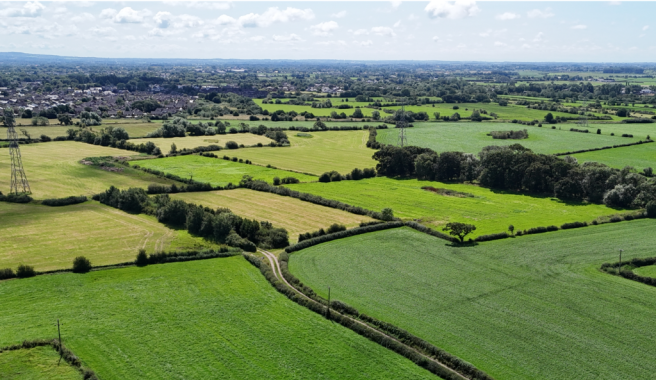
{"x":275,"y":265}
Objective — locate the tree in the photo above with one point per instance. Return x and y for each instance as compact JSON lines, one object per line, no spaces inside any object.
{"x":357,"y":114}
{"x":81,"y":265}
{"x":549,"y":118}
{"x":651,"y":209}
{"x":64,"y":119}
{"x":511,"y":229}
{"x":459,"y":230}
{"x":320,"y":125}
{"x":375,"y":115}
{"x":437,"y":115}
{"x":387,"y":214}
{"x":174,"y":149}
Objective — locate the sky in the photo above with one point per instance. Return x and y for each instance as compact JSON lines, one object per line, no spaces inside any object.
{"x":464,"y":30}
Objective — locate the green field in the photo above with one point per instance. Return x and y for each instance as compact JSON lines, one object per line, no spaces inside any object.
{"x":325,"y":151}
{"x":294,"y":215}
{"x":133,"y":128}
{"x":35,"y":364}
{"x":638,"y":156}
{"x":217,"y":171}
{"x":648,"y":271}
{"x":191,"y":142}
{"x":53,"y":170}
{"x":215,"y":318}
{"x":489,"y":210}
{"x":534,"y":307}
{"x":472,"y":137}
{"x":51,"y":237}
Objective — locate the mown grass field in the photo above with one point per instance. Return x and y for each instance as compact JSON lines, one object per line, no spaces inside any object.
{"x":490,"y":211}
{"x":51,"y":237}
{"x":324,"y":151}
{"x":472,"y":137}
{"x":134,"y":129}
{"x":191,"y":142}
{"x":292,"y":214}
{"x":534,"y":307}
{"x":647,"y":271}
{"x":216,"y":318}
{"x":638,"y":156}
{"x":35,"y":364}
{"x":217,"y":171}
{"x":53,"y":170}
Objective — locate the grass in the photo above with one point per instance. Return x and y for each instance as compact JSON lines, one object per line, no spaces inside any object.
{"x":638,"y":156}
{"x":490,"y":211}
{"x":53,"y":170}
{"x":325,"y":151}
{"x":292,"y":214}
{"x":134,"y":129}
{"x":217,"y":171}
{"x":51,"y":237}
{"x":191,"y":142}
{"x":647,"y":271}
{"x":472,"y":137}
{"x":35,"y":364}
{"x":535,"y":307}
{"x":214,"y":318}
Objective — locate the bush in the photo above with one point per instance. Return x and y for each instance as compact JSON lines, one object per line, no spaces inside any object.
{"x":387,"y":214}
{"x":276,"y":181}
{"x":567,"y":226}
{"x":231,"y":145}
{"x":651,"y":209}
{"x":325,"y":177}
{"x":81,"y":265}
{"x":16,"y":198}
{"x":55,"y":202}
{"x":7,"y":273}
{"x":25,"y":271}
{"x":289,"y":180}
{"x":142,"y":258}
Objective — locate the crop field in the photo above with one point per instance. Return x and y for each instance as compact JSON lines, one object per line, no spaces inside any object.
{"x":134,"y":129}
{"x":490,"y":211}
{"x":648,"y":271}
{"x":533,"y":307}
{"x":638,"y":156}
{"x":217,"y":171}
{"x":292,"y":214}
{"x":191,"y":142}
{"x":215,"y":318}
{"x":325,"y":151}
{"x":472,"y":137}
{"x":39,"y":363}
{"x":51,"y":237}
{"x":54,"y":171}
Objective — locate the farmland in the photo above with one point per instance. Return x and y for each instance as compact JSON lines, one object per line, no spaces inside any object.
{"x":51,"y":237}
{"x":292,"y":214}
{"x":190,"y":142}
{"x":218,"y":172}
{"x":35,"y":364}
{"x":490,"y":211}
{"x":530,"y":307}
{"x":648,"y":271}
{"x":324,"y":151}
{"x":54,"y":170}
{"x":638,"y":156}
{"x":472,"y":137}
{"x":133,"y":128}
{"x":215,"y":318}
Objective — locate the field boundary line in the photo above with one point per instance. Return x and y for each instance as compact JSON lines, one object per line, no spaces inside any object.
{"x":277,"y":272}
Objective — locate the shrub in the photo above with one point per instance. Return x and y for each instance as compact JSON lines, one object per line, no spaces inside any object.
{"x":573,"y":225}
{"x":289,"y":180}
{"x":231,"y":145}
{"x":651,"y":209}
{"x":55,"y":202}
{"x":16,"y":198}
{"x":325,"y":177}
{"x":615,"y":219}
{"x":142,"y":258}
{"x":7,"y":273}
{"x":276,"y":181}
{"x":25,"y":271}
{"x":497,"y":236}
{"x":387,"y":214}
{"x":81,"y":265}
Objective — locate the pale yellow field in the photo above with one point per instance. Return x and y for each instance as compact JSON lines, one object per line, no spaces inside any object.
{"x":53,"y":170}
{"x":294,"y":215}
{"x":54,"y":129}
{"x":190,"y":142}
{"x":51,"y":237}
{"x":324,"y":151}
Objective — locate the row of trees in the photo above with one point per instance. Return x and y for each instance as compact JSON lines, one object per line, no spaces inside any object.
{"x":517,"y":168}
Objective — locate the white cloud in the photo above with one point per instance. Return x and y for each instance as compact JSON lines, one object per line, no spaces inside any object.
{"x":412,"y":17}
{"x":491,"y":32}
{"x":163,"y":19}
{"x":397,"y":24}
{"x":324,"y":28}
{"x":60,"y":10}
{"x":537,"y":13}
{"x":256,"y":38}
{"x":290,"y":38}
{"x":507,"y":16}
{"x":218,"y":5}
{"x":452,"y":10}
{"x":395,"y":4}
{"x":645,"y":27}
{"x":30,"y":9}
{"x":538,"y":37}
{"x":498,"y":43}
{"x":360,"y":32}
{"x":363,"y":43}
{"x":526,"y":46}
{"x":108,"y":13}
{"x":102,"y":32}
{"x":187,"y":21}
{"x":338,"y":14}
{"x":383,"y":31}
{"x":580,"y":27}
{"x":274,"y":15}
{"x":485,"y":33}
{"x":436,"y":38}
{"x":128,"y":15}
{"x":332,"y":43}
{"x":226,"y":20}
{"x":82,"y":17}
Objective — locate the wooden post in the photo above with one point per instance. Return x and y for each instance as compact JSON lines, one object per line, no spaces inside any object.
{"x":61,"y":347}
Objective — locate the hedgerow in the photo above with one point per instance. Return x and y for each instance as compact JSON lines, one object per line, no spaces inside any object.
{"x":613,"y":268}
{"x":342,"y":234}
{"x":56,"y":202}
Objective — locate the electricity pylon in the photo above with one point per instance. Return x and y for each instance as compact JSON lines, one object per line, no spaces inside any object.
{"x":19,"y":182}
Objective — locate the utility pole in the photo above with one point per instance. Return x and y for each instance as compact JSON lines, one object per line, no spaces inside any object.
{"x":328,"y":314}
{"x":61,"y":346}
{"x":402,"y":125}
{"x":619,"y":268}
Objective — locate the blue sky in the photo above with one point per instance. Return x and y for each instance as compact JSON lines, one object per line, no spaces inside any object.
{"x":463,"y":30}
